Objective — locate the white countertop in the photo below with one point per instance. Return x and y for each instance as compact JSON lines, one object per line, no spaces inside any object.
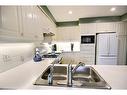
{"x":23,"y":76}
{"x":115,"y":75}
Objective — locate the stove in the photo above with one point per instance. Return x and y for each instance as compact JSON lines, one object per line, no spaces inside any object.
{"x":51,"y":55}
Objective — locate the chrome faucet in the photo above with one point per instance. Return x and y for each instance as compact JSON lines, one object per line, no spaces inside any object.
{"x":78,"y":65}
{"x":50,"y":75}
{"x":70,"y":72}
{"x":69,"y":75}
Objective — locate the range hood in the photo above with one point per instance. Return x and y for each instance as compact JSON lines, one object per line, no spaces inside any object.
{"x":48,"y":34}
{"x":48,"y":37}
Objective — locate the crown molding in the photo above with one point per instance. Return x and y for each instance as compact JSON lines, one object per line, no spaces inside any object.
{"x":84,"y":20}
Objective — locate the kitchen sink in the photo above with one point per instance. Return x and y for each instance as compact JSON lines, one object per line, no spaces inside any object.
{"x":59,"y":76}
{"x":83,"y":77}
{"x":88,"y":77}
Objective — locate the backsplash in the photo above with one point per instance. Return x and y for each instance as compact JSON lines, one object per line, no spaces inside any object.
{"x":14,"y":54}
{"x":62,"y":46}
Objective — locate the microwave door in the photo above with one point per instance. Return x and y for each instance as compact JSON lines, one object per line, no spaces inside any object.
{"x":87,"y":39}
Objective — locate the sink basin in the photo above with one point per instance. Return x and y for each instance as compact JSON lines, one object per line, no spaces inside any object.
{"x":59,"y":76}
{"x":88,"y":77}
{"x":83,"y":77}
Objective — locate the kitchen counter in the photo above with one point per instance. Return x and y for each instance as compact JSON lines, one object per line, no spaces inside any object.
{"x":115,"y":75}
{"x":23,"y":76}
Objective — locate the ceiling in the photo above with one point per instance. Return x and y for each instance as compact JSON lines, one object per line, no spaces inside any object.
{"x":60,"y":13}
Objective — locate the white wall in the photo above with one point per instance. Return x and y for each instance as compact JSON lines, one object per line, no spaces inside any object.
{"x":14,"y":54}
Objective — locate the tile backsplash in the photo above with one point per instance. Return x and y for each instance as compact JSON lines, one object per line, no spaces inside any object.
{"x":14,"y":54}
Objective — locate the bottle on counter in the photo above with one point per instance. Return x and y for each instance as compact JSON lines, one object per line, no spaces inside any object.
{"x":37,"y":56}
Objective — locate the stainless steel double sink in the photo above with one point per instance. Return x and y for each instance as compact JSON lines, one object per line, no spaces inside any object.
{"x":85,"y":77}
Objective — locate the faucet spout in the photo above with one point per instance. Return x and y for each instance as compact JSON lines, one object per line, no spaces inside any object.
{"x":50,"y":75}
{"x":78,"y":65}
{"x":70,"y":72}
{"x":69,"y":75}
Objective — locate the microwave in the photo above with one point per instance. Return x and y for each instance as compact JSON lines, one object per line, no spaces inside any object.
{"x":87,"y":39}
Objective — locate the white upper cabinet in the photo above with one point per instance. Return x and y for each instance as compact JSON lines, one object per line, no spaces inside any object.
{"x":35,"y":23}
{"x":38,"y":33}
{"x":106,"y":27}
{"x":88,"y":28}
{"x":121,"y":28}
{"x":92,"y":28}
{"x":68,"y":33}
{"x":25,"y":22}
{"x":28,"y":22}
{"x":9,"y":20}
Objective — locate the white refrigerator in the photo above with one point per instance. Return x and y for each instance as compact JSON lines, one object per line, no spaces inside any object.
{"x":106,"y":49}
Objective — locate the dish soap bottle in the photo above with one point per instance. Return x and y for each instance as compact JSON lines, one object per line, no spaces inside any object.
{"x":37,"y":56}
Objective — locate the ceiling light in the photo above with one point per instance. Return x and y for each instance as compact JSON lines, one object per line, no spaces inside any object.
{"x":113,"y":9}
{"x":69,"y":12}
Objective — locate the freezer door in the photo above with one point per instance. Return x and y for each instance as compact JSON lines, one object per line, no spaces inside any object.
{"x":107,"y":61}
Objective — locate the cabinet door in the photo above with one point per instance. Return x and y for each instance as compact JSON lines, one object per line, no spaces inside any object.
{"x":121,"y":28}
{"x":43,"y":26}
{"x":89,"y":28}
{"x":36,"y":24}
{"x":9,"y":20}
{"x":105,"y":27}
{"x":27,"y":20}
{"x":101,"y":27}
